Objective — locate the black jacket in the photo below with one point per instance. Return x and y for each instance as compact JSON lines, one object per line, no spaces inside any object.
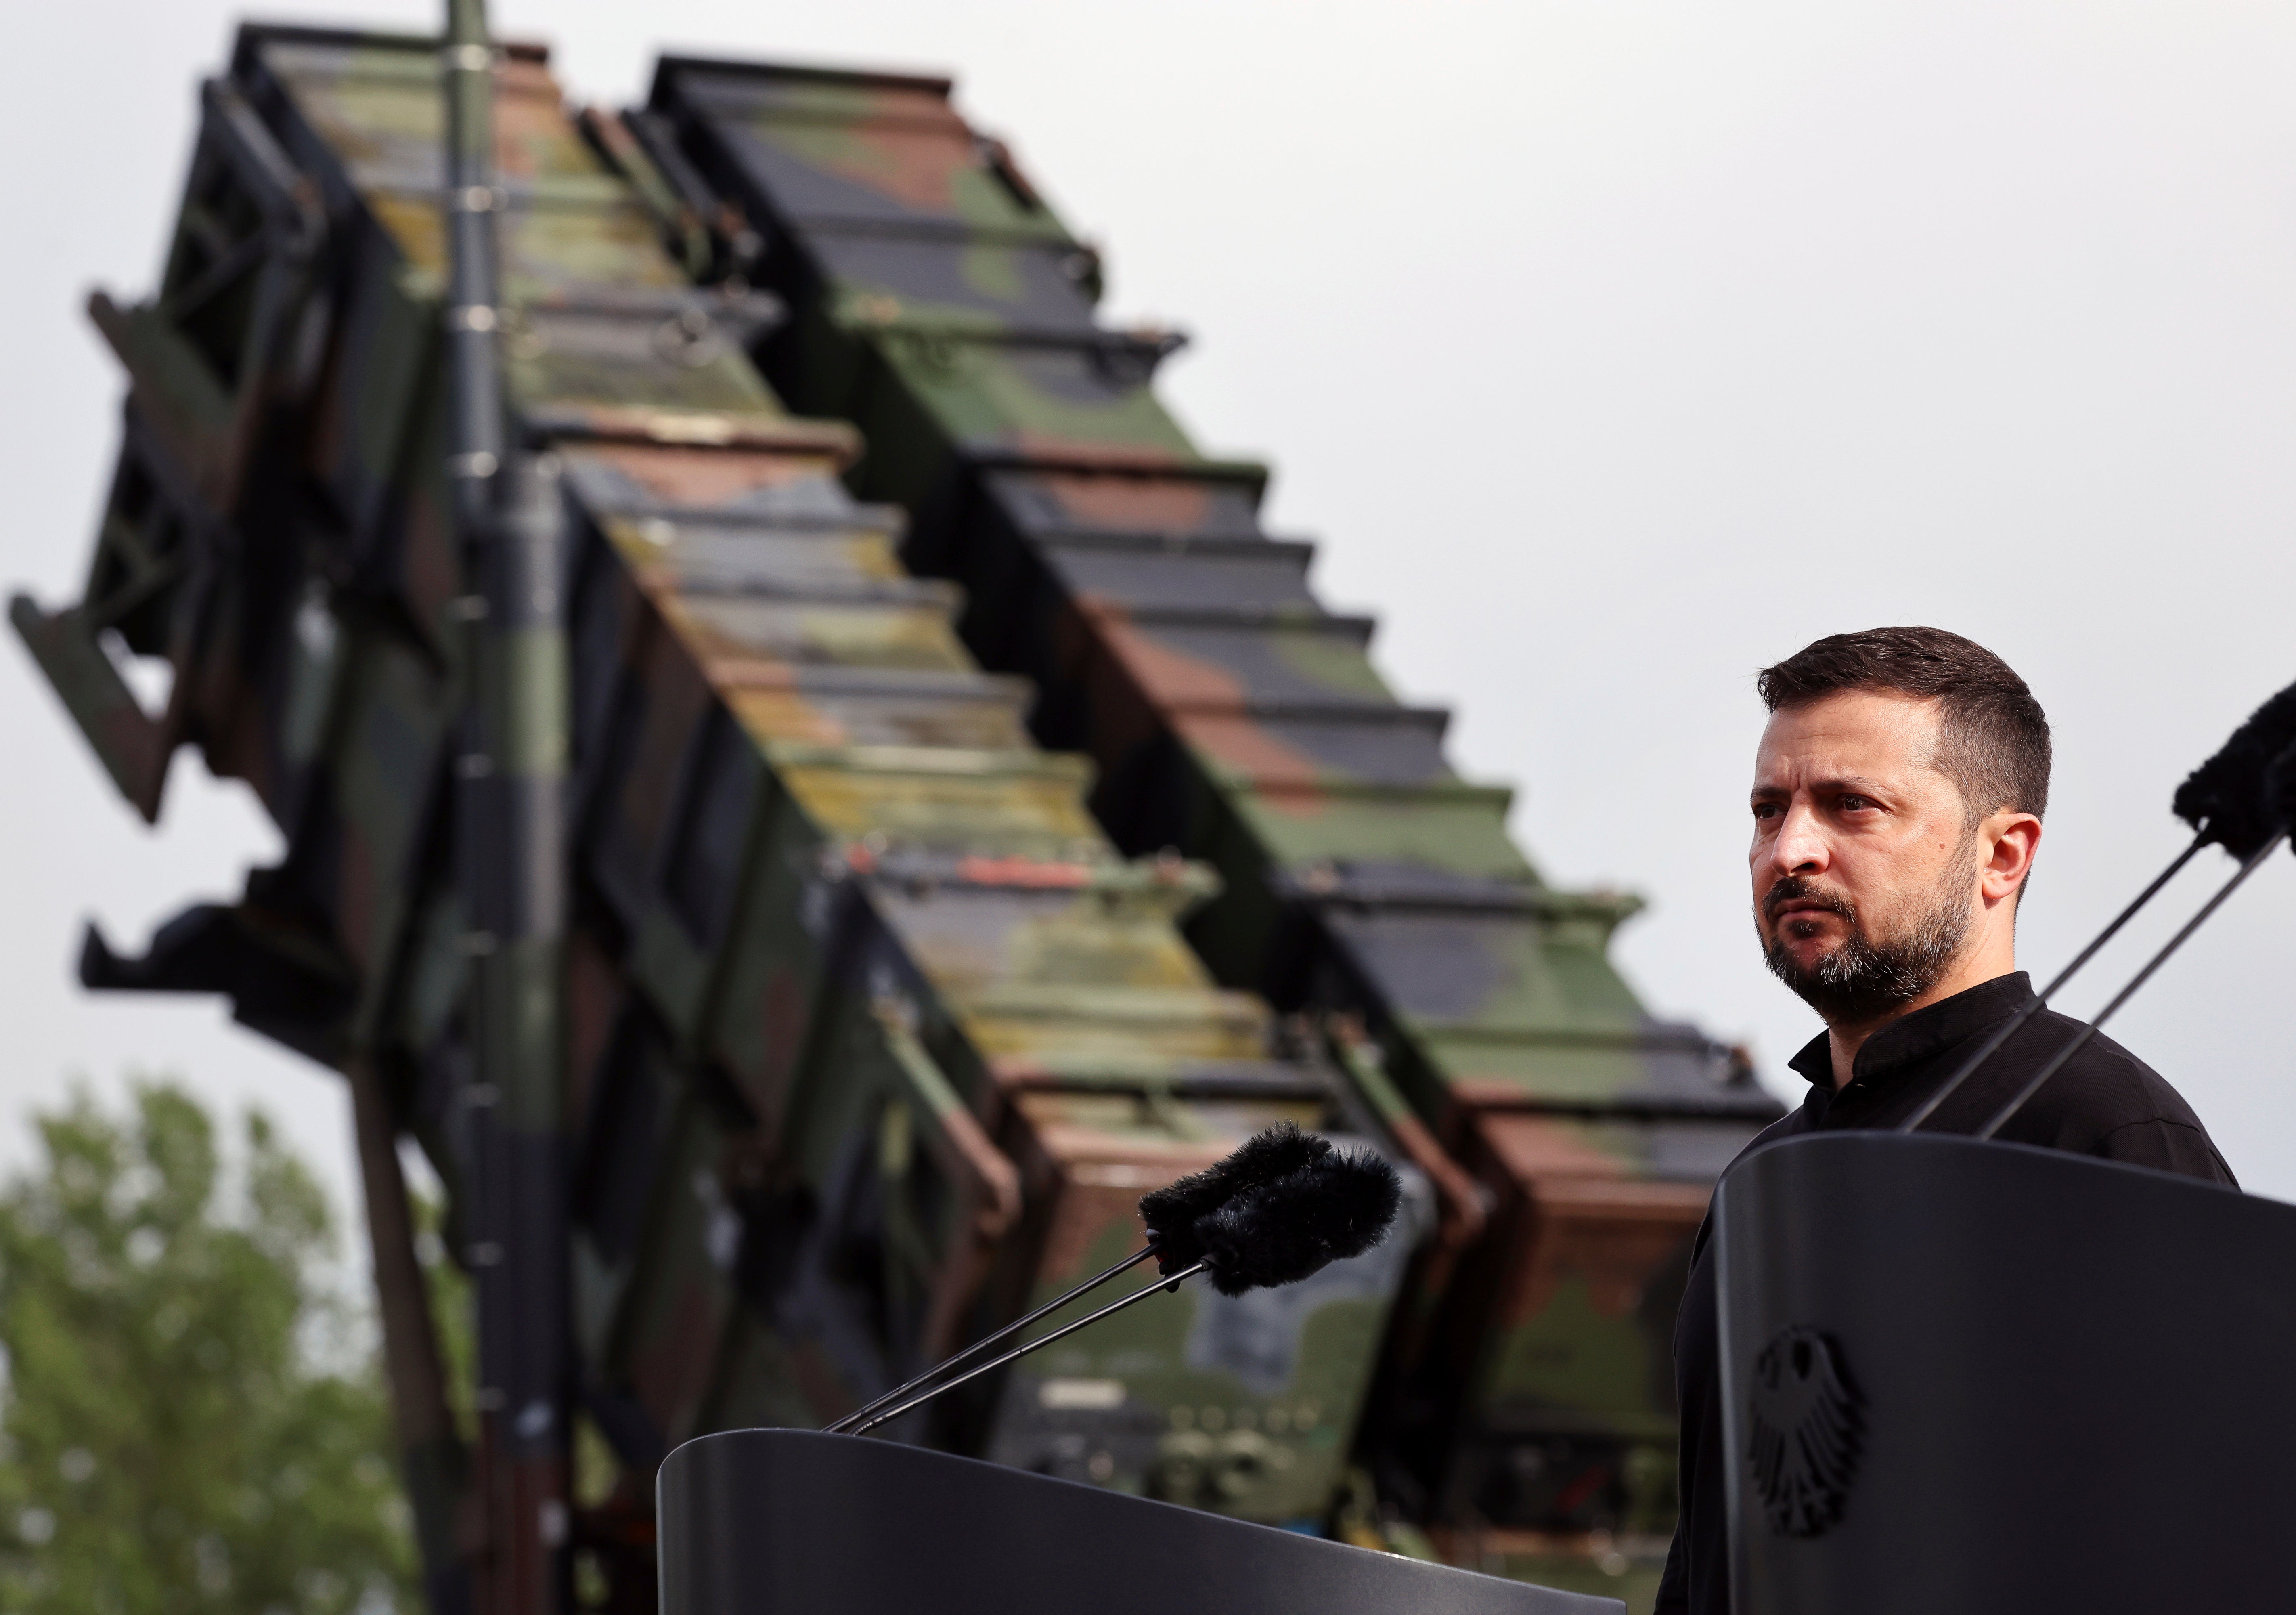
{"x":2105,"y":1101}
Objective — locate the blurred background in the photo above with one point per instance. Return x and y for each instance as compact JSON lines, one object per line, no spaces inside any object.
{"x":1610,"y":351}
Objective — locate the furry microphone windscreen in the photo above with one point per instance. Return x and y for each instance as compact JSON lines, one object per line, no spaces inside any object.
{"x":1282,"y":1232}
{"x":1172,"y":1212}
{"x":2280,"y":790}
{"x":2228,"y":798}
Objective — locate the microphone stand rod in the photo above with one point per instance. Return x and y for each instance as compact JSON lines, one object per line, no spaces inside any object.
{"x":1134,"y":1260}
{"x":2041,"y":1001}
{"x":2255,"y":861}
{"x":1022,"y":1351}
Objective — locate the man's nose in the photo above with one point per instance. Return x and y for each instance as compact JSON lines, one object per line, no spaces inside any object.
{"x":1800,"y":847}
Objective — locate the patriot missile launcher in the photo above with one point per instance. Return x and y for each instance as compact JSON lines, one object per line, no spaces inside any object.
{"x":882,"y":1005}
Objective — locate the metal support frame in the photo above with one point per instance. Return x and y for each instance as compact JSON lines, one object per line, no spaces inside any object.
{"x":510,"y":845}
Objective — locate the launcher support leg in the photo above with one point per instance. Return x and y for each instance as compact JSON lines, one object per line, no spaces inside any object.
{"x":433,"y":1460}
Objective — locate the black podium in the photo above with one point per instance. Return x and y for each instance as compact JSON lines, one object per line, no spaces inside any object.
{"x":789,"y":1522}
{"x":1982,"y":1377}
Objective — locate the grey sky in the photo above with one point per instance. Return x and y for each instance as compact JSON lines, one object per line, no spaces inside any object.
{"x":1611,"y":350}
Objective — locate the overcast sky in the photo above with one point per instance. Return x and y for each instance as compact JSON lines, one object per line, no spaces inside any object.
{"x":1611,"y":350}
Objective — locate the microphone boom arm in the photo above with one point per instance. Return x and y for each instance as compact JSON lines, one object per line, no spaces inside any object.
{"x":1090,"y":1284}
{"x":2041,"y":1002}
{"x":1022,"y":1351}
{"x":2248,"y":868}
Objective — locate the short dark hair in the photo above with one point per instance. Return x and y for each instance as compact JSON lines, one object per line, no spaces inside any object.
{"x":1993,"y":737}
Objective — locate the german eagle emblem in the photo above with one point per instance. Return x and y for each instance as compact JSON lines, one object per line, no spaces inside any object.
{"x":1805,"y":1430}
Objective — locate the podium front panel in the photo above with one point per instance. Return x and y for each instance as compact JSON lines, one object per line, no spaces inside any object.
{"x":1983,"y":1377}
{"x":791,"y":1523}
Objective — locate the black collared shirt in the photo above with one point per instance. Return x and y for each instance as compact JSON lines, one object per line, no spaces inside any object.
{"x":2105,"y":1101}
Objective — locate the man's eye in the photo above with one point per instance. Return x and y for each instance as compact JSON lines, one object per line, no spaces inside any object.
{"x":1851,"y":804}
{"x":1766,"y":810}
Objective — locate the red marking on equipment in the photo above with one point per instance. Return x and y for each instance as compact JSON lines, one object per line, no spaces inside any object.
{"x":983,"y":871}
{"x":1586,"y":1485}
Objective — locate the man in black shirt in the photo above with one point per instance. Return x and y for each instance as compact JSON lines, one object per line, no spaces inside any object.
{"x":1898,"y":796}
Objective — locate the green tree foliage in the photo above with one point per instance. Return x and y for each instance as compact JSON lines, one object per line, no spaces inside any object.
{"x":193,"y":1419}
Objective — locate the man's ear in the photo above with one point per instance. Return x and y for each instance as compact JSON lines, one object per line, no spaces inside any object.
{"x":2009,"y":839}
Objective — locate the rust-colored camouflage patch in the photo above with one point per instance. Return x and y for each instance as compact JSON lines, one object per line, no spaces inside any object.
{"x":917,"y":166}
{"x":1090,"y":454}
{"x":1143,"y":504}
{"x":1286,"y":775}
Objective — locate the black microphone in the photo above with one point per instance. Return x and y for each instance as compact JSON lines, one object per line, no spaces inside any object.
{"x":1337,"y":1206}
{"x":2273,"y":809}
{"x":2228,"y":800}
{"x":1274,"y":1226}
{"x":1170,"y":1214}
{"x":2242,"y":799}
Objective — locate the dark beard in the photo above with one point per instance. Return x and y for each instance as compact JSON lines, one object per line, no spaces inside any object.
{"x":1866,"y":978}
